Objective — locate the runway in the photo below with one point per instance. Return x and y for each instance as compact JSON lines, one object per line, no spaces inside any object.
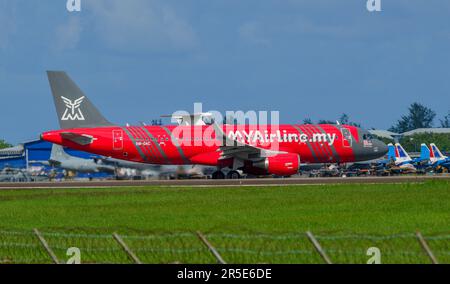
{"x":213,"y":183}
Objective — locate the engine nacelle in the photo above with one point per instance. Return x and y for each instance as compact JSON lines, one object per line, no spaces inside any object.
{"x":281,"y":165}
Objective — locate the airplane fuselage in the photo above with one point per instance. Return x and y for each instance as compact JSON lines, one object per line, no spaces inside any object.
{"x":262,"y":149}
{"x":178,"y":145}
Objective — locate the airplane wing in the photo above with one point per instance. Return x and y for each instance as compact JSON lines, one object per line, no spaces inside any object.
{"x":235,"y":149}
{"x":81,"y":139}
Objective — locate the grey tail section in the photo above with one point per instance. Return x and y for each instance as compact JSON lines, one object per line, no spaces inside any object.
{"x":73,"y":107}
{"x":58,"y":153}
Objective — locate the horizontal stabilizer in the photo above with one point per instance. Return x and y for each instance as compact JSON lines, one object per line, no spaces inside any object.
{"x":54,"y":163}
{"x":81,"y":139}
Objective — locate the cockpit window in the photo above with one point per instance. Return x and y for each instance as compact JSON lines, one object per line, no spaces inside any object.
{"x":367,"y":136}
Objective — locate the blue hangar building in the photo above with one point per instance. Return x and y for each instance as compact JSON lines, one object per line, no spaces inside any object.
{"x":32,"y":153}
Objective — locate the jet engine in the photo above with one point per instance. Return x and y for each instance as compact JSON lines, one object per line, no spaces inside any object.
{"x":281,"y":165}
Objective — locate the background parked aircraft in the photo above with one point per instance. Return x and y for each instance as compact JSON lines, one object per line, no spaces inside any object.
{"x":437,"y":158}
{"x":400,"y":158}
{"x":60,"y":159}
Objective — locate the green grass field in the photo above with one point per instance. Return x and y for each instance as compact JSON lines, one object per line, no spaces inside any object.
{"x":247,"y":224}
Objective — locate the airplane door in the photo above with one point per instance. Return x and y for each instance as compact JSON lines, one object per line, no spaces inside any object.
{"x":346,"y":137}
{"x":117,"y":140}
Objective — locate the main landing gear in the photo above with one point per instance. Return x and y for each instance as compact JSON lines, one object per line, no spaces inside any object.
{"x":233,"y":175}
{"x":218,"y":175}
{"x":229,"y":175}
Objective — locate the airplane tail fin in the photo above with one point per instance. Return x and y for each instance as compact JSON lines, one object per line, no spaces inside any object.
{"x":436,"y":152}
{"x":73,"y":107}
{"x":58,"y":154}
{"x":391,"y":152}
{"x":424,"y":152}
{"x":401,"y":154}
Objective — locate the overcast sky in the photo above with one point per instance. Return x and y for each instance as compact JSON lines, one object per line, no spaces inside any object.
{"x":138,"y":59}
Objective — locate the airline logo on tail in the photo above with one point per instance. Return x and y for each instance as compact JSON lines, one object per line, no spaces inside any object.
{"x":400,"y":154}
{"x":431,"y":152}
{"x":73,"y":111}
{"x":436,"y":153}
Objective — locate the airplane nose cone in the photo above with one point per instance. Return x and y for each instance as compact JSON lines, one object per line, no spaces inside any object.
{"x":380,"y":148}
{"x":367,"y":151}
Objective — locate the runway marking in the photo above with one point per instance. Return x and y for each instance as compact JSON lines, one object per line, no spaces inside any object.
{"x":223,"y":183}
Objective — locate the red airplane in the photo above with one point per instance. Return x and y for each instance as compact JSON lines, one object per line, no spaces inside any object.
{"x":259,"y":150}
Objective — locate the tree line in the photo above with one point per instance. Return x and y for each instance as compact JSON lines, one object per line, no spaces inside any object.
{"x":4,"y":144}
{"x":418,"y":116}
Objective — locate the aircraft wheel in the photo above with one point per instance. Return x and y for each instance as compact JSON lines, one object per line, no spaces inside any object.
{"x":233,"y":175}
{"x":218,"y":175}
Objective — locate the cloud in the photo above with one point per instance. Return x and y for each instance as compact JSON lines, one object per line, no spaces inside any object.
{"x":68,"y":35}
{"x":140,"y":24}
{"x":252,"y":32}
{"x":305,"y":26}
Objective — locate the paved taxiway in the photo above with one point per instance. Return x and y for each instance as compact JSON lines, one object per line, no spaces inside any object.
{"x":212,"y":183}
